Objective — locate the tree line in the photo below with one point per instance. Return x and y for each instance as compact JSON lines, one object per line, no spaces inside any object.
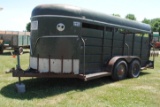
{"x":155,"y":23}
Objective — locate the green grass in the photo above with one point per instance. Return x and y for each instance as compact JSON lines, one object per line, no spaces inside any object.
{"x":137,"y":92}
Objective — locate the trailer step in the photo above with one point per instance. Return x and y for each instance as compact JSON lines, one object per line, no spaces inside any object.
{"x":96,"y":75}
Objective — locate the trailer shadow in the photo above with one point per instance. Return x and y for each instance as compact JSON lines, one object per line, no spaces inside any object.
{"x":144,"y":73}
{"x":44,"y":87}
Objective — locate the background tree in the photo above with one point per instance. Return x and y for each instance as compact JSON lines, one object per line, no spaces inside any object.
{"x":147,"y":21}
{"x":155,"y":23}
{"x":28,"y":26}
{"x":116,"y":15}
{"x":130,"y":16}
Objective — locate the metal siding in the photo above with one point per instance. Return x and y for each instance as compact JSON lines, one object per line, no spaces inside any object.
{"x":44,"y":65}
{"x":117,"y":43}
{"x":84,"y":14}
{"x":15,"y":41}
{"x":91,"y":67}
{"x":68,"y":48}
{"x":107,"y":46}
{"x":55,"y":47}
{"x":137,"y":45}
{"x":107,"y":42}
{"x":129,"y":37}
{"x":107,"y":50}
{"x":128,"y":40}
{"x":93,"y":33}
{"x":92,"y":58}
{"x":25,"y":40}
{"x":126,"y":51}
{"x":12,"y":38}
{"x":106,"y":58}
{"x":92,"y":50}
{"x":108,"y":35}
{"x":136,"y":52}
{"x":48,"y":26}
{"x":145,"y":48}
{"x":7,"y":38}
{"x":93,"y":41}
{"x":117,"y":51}
{"x":20,"y":40}
{"x":145,"y":43}
{"x":118,"y":36}
{"x":28,"y":40}
{"x":138,"y":38}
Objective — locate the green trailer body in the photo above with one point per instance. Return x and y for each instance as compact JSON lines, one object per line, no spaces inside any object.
{"x":14,"y":39}
{"x":68,"y":41}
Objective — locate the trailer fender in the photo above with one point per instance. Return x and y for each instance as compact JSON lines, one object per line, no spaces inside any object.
{"x":128,"y":59}
{"x":112,"y":62}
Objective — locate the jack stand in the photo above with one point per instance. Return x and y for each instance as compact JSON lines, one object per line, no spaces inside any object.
{"x":19,"y":80}
{"x":20,"y":87}
{"x":18,"y":62}
{"x":17,"y":52}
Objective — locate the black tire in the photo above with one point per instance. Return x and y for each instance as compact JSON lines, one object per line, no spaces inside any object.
{"x":120,"y":70}
{"x":134,"y":69}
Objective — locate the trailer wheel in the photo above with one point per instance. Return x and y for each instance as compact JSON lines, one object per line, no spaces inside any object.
{"x":134,"y":69}
{"x":120,"y":70}
{"x":20,"y":50}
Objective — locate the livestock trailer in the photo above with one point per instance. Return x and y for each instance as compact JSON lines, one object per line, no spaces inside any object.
{"x":14,"y":40}
{"x":71,"y":42}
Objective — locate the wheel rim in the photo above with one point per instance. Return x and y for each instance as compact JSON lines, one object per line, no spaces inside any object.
{"x":135,"y":69}
{"x":121,"y":70}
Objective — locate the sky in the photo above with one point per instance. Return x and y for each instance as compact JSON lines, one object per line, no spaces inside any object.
{"x":16,"y":13}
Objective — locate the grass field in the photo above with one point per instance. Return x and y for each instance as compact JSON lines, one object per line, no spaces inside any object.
{"x":137,"y":92}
